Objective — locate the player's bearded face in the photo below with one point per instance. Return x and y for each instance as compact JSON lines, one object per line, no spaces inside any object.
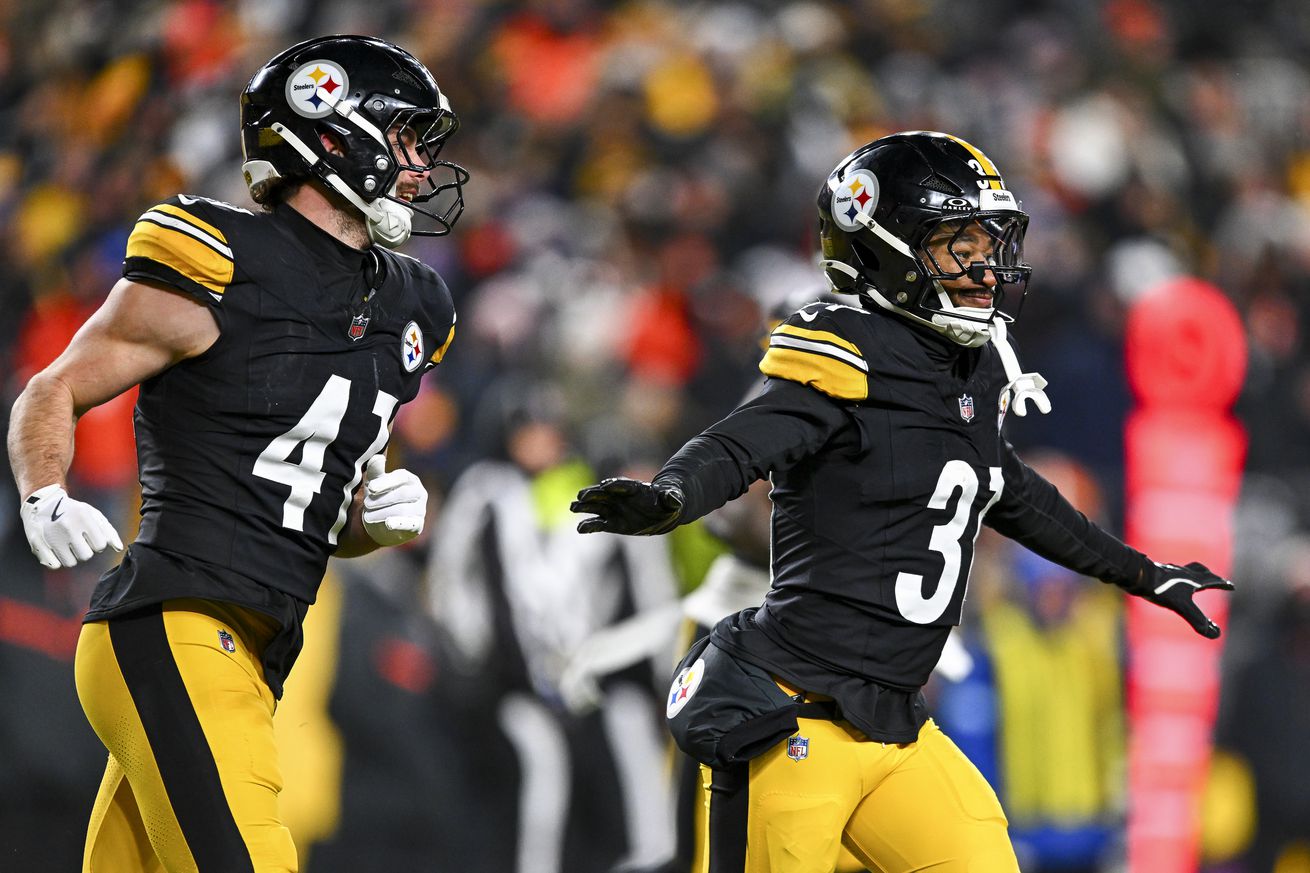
{"x":405,"y":142}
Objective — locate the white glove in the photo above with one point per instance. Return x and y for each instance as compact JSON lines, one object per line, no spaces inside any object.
{"x":62,"y":531}
{"x":1029,"y":387}
{"x":394,"y":503}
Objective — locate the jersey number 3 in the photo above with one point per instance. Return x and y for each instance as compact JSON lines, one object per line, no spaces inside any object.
{"x":316,"y":430}
{"x":946,"y":541}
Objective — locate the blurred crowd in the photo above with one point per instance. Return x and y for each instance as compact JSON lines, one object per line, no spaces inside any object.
{"x":642,"y":198}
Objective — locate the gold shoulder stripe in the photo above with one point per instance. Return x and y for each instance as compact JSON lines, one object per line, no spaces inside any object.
{"x":181,"y":225}
{"x":179,"y":212}
{"x":833,"y":377}
{"x":822,"y":347}
{"x":441,"y":352}
{"x":822,"y":336}
{"x":985,"y":162}
{"x":181,"y":251}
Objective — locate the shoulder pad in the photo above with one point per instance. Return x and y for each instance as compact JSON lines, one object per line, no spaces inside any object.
{"x":816,"y":346}
{"x":434,"y":296}
{"x":411,"y":267}
{"x":445,"y":345}
{"x":182,"y":242}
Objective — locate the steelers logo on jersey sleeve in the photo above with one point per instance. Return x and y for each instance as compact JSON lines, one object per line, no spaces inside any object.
{"x":411,"y":347}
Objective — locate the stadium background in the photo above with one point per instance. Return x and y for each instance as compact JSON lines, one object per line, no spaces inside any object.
{"x":642,"y":196}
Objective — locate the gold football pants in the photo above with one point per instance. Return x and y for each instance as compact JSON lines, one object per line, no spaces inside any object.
{"x":896,"y":808}
{"x":177,"y":694}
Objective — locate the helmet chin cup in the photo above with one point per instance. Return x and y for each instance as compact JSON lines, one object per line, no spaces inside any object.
{"x":966,"y":332}
{"x":968,"y":326}
{"x":389,"y":223}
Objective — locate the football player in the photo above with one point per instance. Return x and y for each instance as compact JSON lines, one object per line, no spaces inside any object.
{"x":880,"y":429}
{"x":273,"y":348}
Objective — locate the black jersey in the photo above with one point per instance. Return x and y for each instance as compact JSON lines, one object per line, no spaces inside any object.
{"x":883,"y":444}
{"x":251,"y":452}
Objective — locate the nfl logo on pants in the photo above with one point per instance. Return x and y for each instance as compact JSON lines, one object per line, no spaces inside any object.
{"x":798,"y":747}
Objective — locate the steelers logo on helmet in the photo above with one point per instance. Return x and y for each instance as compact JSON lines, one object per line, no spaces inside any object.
{"x":314,"y":88}
{"x":411,"y":347}
{"x":855,"y":196}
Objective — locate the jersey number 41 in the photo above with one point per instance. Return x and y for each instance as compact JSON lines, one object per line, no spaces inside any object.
{"x":316,"y":430}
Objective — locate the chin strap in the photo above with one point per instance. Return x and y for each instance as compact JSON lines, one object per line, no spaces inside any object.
{"x":962,"y":332}
{"x":392,"y":225}
{"x":1022,"y":387}
{"x":389,"y":223}
{"x":968,"y":326}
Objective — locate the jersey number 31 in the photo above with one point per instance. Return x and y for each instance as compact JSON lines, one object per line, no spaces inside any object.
{"x":946,"y":541}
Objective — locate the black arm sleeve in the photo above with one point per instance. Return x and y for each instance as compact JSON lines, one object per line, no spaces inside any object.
{"x":1032,"y":512}
{"x":781,"y":425}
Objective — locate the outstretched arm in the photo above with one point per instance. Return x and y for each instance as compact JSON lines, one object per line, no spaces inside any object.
{"x":1032,"y":512}
{"x":783,"y":424}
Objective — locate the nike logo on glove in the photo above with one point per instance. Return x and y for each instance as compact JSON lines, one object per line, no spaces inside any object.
{"x":1177,"y":581}
{"x":54,"y":513}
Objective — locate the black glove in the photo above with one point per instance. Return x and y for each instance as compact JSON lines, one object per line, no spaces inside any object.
{"x":1172,"y":587}
{"x":627,"y":506}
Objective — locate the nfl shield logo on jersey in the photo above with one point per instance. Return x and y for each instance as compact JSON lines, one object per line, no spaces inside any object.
{"x":358,"y":325}
{"x":225,"y":640}
{"x":798,"y":748}
{"x":966,"y":407}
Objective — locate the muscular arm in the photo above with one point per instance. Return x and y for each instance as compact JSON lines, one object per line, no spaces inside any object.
{"x":138,"y":332}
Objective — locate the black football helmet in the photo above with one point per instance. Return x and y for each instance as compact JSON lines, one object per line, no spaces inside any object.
{"x":885,"y":201}
{"x":385,"y":109}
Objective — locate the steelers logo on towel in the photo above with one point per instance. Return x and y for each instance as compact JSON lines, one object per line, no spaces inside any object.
{"x":684,"y":686}
{"x":411,"y":347}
